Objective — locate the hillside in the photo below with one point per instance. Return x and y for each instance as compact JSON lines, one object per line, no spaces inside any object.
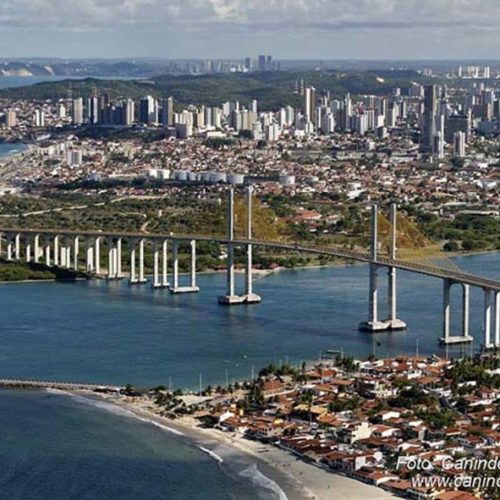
{"x":272,"y":89}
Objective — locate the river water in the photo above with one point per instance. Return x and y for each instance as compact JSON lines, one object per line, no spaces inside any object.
{"x":97,"y":331}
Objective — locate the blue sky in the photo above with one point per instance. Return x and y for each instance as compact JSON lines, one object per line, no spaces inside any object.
{"x":288,"y":29}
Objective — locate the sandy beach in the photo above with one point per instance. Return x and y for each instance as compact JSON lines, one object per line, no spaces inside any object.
{"x":297,"y":480}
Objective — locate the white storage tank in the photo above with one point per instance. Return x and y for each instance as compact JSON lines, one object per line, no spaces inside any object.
{"x":181,"y":175}
{"x":216,"y":177}
{"x":236,"y":179}
{"x":164,"y":174}
{"x":286,"y":180}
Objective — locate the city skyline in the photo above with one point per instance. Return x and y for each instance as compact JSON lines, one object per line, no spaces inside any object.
{"x":290,"y":29}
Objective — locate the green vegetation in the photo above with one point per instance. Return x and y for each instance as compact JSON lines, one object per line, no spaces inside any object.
{"x":272,"y":89}
{"x":469,"y":232}
{"x":15,"y":271}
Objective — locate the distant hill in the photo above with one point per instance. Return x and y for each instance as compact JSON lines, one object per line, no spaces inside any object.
{"x":272,"y":89}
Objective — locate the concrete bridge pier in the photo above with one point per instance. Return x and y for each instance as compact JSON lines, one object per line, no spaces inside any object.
{"x":56,"y":250}
{"x":97,"y":256}
{"x":118,"y":256}
{"x":36,"y":248}
{"x":89,"y":256}
{"x":164,"y":250}
{"x":65,"y":258}
{"x":394,"y":323}
{"x":17,"y":247}
{"x":488,"y":344}
{"x":374,"y":324}
{"x":142,"y":278}
{"x":133,"y":271}
{"x":112,"y":260}
{"x":76,"y":250}
{"x":497,"y":319}
{"x":156,"y":258}
{"x":9,"y":247}
{"x":192,"y":288}
{"x":250,"y":296}
{"x":47,"y":247}
{"x":448,"y":338}
{"x":28,"y":248}
{"x":230,"y":298}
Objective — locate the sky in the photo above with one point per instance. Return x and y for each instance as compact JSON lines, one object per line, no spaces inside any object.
{"x":287,"y":29}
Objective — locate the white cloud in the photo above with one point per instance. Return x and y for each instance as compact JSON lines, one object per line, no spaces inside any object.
{"x":255,"y":14}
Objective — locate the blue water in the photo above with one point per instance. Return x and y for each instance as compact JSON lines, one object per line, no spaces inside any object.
{"x":56,"y":447}
{"x":7,"y":149}
{"x":109,"y":332}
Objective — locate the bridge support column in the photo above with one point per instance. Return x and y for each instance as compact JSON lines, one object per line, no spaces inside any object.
{"x":230,"y":298}
{"x":68,"y":254}
{"x":142,"y":278}
{"x":394,"y":322}
{"x":28,"y":248}
{"x":47,"y":251}
{"x":56,"y":250}
{"x":373,"y":324}
{"x":17,"y":247}
{"x":164,"y":281}
{"x":89,"y":256}
{"x":487,"y":319}
{"x":97,"y":255}
{"x":250,"y":297}
{"x":192,"y":288}
{"x":9,"y":247}
{"x":465,"y":310}
{"x":76,"y":249}
{"x":118,"y":252}
{"x":156,"y":259}
{"x":36,"y":248}
{"x":448,"y":338}
{"x":111,"y":260}
{"x":497,"y":319}
{"x":175,"y":263}
{"x":133,"y":273}
{"x":193,"y":266}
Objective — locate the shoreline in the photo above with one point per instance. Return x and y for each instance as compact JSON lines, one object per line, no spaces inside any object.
{"x":297,"y":479}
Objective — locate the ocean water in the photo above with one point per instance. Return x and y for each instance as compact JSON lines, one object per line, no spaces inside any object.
{"x":57,"y":447}
{"x":7,"y":149}
{"x":104,"y":332}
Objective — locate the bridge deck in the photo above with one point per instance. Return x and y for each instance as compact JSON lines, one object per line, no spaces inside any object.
{"x":428,"y":270}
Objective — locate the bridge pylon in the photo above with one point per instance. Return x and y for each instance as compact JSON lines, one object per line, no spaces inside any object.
{"x":392,"y":323}
{"x":249,"y":297}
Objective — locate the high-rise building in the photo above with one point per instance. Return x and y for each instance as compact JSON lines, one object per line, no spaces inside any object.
{"x":310,"y":104}
{"x":128,"y":112}
{"x":167,"y":112}
{"x":430,"y":96}
{"x":262,"y":63}
{"x":459,"y":144}
{"x":438,"y":146}
{"x":93,"y":110}
{"x":39,"y":118}
{"x":148,"y":110}
{"x":77,"y":111}
{"x":10,"y":118}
